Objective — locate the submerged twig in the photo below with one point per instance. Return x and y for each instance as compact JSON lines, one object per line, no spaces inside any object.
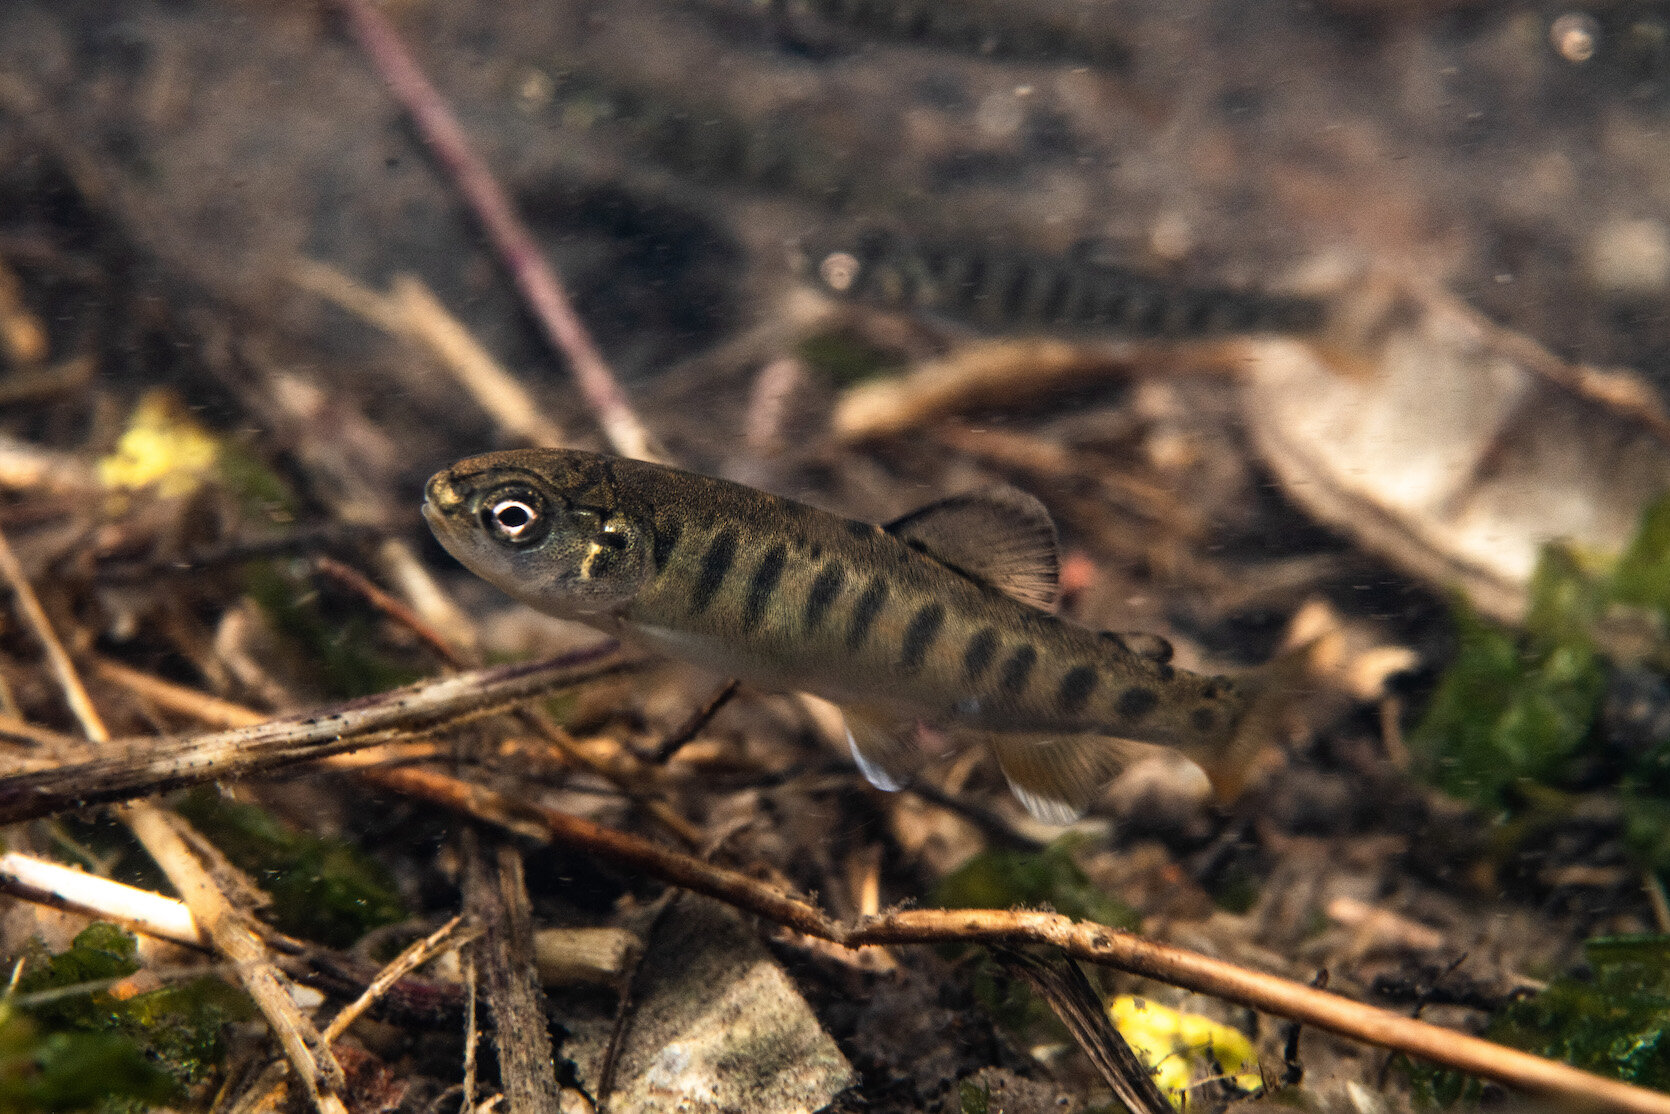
{"x":497,"y":896}
{"x":139,"y":767}
{"x":62,"y":887}
{"x":1099,"y":944}
{"x":533,"y":274}
{"x":409,"y":960}
{"x":163,"y":836}
{"x":699,"y":719}
{"x":1075,"y":1002}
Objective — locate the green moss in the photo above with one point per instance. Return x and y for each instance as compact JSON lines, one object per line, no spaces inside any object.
{"x":1609,"y":1019}
{"x":1642,"y":575}
{"x":259,"y":490}
{"x":1516,"y":708}
{"x":1001,"y":879}
{"x":1609,"y":1026}
{"x":973,"y":1098}
{"x":322,"y":889}
{"x":1507,"y":711}
{"x":844,"y":358}
{"x":68,"y":1043}
{"x":340,"y":644}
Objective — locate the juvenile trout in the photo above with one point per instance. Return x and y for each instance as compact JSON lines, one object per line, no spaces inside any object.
{"x":938,"y":618}
{"x":1007,"y":289}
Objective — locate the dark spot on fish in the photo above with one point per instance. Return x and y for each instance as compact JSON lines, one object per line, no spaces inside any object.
{"x":1165,"y":672}
{"x":666,"y":539}
{"x":815,"y":553}
{"x":825,"y":588}
{"x":860,"y":529}
{"x":919,"y":636}
{"x":977,"y":658}
{"x":1217,"y":687}
{"x":762,"y":585}
{"x":716,"y":565}
{"x":1018,"y":668}
{"x":1076,"y":688}
{"x":1137,"y":702}
{"x":1204,"y":720}
{"x":864,"y":613}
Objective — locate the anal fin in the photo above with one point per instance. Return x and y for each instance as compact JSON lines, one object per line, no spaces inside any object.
{"x":1056,"y":778}
{"x":883,"y":746}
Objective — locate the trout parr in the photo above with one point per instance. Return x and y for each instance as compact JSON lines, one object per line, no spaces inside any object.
{"x":939,"y":618}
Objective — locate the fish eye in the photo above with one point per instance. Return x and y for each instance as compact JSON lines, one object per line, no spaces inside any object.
{"x":515,"y":516}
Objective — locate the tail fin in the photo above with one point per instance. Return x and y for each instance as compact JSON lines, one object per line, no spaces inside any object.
{"x":1231,"y":759}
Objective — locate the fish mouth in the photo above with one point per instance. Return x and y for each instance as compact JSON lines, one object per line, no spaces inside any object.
{"x":444,"y":502}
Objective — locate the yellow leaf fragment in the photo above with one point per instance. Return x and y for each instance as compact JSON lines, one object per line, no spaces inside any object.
{"x":1182,"y":1049}
{"x":164,"y":446}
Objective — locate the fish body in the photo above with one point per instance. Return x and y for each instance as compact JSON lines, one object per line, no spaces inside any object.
{"x":935,"y":619}
{"x":1006,"y":289}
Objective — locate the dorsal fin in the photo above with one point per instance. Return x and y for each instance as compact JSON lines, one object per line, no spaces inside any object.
{"x":998,"y":536}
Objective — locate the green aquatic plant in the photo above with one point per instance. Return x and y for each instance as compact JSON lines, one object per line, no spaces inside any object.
{"x":71,"y":1040}
{"x":1607,"y":1017}
{"x":322,"y":889}
{"x":1002,"y":879}
{"x":1519,"y":709}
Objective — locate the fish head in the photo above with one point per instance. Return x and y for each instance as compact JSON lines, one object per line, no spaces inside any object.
{"x":549,"y":527}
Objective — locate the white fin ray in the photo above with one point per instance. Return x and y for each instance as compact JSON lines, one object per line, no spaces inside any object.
{"x":883,"y":746}
{"x":1055,"y":779}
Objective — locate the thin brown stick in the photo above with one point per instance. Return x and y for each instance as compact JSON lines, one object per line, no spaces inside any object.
{"x":1075,"y":1002}
{"x":414,"y":956}
{"x":29,"y":606}
{"x":1099,"y":944}
{"x":698,"y":720}
{"x":533,"y":274}
{"x":396,"y":609}
{"x":164,"y":838}
{"x":1093,"y":943}
{"x":140,"y":767}
{"x":497,"y":894}
{"x":224,"y":713}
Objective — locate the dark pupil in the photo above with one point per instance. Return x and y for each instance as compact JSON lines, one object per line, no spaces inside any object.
{"x":514,"y":516}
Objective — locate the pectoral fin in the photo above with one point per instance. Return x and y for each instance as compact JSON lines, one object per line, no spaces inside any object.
{"x":1055,"y":779}
{"x":883,"y":746}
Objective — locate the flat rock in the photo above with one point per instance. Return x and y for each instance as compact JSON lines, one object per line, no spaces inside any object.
{"x":716,"y":1025}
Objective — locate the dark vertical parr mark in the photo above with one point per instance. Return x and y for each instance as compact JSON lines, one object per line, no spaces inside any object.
{"x":864,"y":613}
{"x":919,"y":636}
{"x":1136,"y":702}
{"x":716,"y":564}
{"x":762,"y":585}
{"x":666,"y":540}
{"x":825,"y":588}
{"x":1076,"y":688}
{"x":1017,"y":669}
{"x":977,"y":658}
